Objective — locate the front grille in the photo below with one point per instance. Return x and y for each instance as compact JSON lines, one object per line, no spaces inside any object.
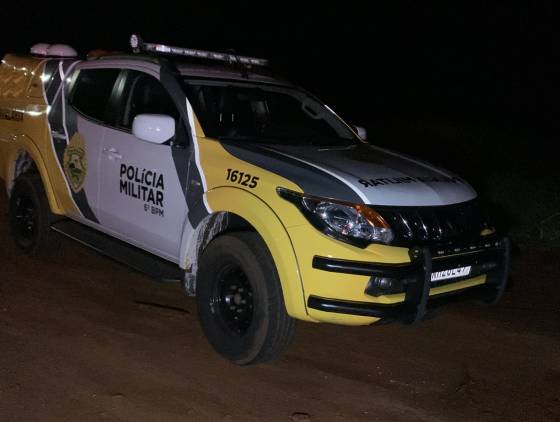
{"x":437,"y":224}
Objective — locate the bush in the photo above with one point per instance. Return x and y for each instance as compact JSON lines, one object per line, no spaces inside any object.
{"x":515,"y":172}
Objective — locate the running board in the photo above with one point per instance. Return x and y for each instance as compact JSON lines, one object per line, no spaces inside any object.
{"x":120,"y":251}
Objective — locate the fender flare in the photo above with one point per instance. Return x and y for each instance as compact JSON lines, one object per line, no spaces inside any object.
{"x":26,"y":145}
{"x":269,"y":226}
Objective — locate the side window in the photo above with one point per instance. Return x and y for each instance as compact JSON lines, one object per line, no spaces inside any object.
{"x":92,"y":91}
{"x":144,"y":94}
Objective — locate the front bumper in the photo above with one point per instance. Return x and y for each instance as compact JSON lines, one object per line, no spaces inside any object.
{"x":490,"y":257}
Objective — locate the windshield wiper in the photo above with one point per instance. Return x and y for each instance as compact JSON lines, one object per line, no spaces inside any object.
{"x":256,"y":139}
{"x":234,"y":138}
{"x":327,"y":141}
{"x":314,"y":140}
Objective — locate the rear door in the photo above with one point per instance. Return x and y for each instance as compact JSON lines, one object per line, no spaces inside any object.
{"x":84,"y":121}
{"x":141,"y":199}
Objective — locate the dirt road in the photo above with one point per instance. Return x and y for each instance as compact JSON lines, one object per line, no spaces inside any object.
{"x":85,"y":339}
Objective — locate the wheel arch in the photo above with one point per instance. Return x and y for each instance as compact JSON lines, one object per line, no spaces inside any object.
{"x":235,"y":209}
{"x":27,"y":158}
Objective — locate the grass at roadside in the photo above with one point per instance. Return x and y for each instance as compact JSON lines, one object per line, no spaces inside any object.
{"x":514,"y":173}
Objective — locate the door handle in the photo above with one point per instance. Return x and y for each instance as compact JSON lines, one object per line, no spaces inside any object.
{"x":112,"y":153}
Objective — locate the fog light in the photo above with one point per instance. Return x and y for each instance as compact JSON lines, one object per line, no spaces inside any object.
{"x":379,"y":286}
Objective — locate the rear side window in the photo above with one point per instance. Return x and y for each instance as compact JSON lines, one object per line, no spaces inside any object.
{"x":92,"y":91}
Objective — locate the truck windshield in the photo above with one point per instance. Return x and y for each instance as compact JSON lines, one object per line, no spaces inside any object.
{"x":253,"y":112}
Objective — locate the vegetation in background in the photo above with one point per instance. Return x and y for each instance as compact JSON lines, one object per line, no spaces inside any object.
{"x":518,"y":178}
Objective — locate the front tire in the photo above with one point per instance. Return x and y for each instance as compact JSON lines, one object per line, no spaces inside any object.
{"x":240,"y":302}
{"x":30,"y":215}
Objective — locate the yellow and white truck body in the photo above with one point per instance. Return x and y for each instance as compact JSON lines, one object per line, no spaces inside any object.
{"x":165,"y":155}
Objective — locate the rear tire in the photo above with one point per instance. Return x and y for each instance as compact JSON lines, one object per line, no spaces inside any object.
{"x":240,"y":302}
{"x":30,"y":215}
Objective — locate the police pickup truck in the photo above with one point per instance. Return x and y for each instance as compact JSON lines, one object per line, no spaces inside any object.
{"x":204,"y":168}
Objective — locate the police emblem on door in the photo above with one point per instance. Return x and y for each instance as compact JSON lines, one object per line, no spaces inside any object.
{"x":75,"y":163}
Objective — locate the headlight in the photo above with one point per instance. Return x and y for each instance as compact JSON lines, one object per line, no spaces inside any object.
{"x":351,"y":223}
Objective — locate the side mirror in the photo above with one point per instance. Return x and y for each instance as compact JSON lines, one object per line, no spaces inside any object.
{"x":154,"y":128}
{"x":361,"y":132}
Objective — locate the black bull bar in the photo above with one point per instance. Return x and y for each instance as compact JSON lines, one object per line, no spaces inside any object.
{"x":490,"y":257}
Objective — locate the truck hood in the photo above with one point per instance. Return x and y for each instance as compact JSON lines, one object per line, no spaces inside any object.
{"x":359,"y":173}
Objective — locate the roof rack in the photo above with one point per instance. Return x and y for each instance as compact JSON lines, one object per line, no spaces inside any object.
{"x":138,"y":45}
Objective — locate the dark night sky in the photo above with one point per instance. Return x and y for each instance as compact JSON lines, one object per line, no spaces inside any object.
{"x":490,"y":65}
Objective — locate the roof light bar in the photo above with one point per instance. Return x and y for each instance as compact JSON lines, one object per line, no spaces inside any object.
{"x":138,"y":46}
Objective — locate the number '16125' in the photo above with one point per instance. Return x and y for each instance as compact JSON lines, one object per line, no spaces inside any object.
{"x":241,"y":178}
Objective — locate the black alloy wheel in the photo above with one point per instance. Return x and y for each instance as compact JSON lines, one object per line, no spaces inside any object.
{"x":240,"y":301}
{"x":25,"y":220}
{"x":30,"y":216}
{"x":232,"y":300}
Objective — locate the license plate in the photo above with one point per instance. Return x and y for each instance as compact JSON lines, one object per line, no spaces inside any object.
{"x":453,"y":273}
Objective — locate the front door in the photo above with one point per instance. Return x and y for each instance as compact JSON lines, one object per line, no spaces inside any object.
{"x":141,"y":199}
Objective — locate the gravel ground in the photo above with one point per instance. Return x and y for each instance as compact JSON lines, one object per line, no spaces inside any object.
{"x":85,"y":339}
